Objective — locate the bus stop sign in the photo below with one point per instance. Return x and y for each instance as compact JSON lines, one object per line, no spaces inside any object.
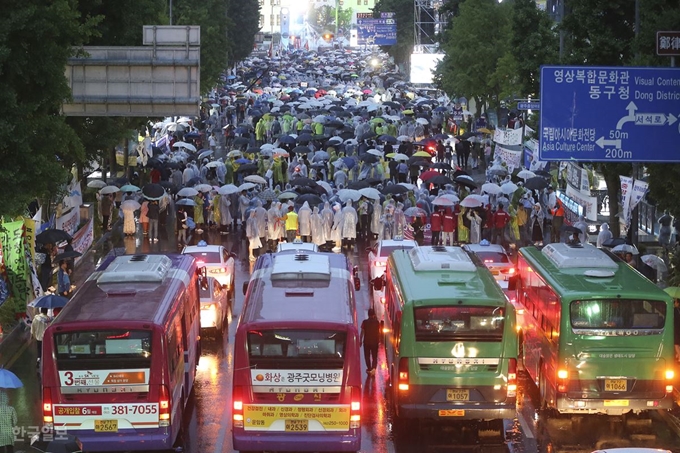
{"x":610,"y":114}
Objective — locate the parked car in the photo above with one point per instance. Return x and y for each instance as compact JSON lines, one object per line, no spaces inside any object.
{"x":496,"y":259}
{"x":218,"y":263}
{"x":377,"y":261}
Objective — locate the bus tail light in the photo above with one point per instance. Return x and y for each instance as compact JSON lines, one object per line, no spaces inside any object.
{"x":355,"y":409}
{"x":47,"y":406}
{"x":237,"y":404}
{"x":403,"y":374}
{"x":562,"y":376}
{"x":512,"y":378}
{"x":164,"y":404}
{"x":670,"y":374}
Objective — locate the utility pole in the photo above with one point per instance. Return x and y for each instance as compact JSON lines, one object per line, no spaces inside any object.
{"x":170,"y":12}
{"x":635,"y":217}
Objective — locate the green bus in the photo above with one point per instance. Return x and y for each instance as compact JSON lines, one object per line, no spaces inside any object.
{"x":596,"y":336}
{"x":451,"y":344}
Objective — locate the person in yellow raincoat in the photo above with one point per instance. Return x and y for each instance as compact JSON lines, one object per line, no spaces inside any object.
{"x":217,"y":213}
{"x":514,"y":223}
{"x":463,"y":231}
{"x":198,"y":212}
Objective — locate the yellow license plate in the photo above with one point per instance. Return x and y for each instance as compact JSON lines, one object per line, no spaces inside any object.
{"x":451,"y":413}
{"x":615,"y":385}
{"x":457,"y":395}
{"x":106,"y":426}
{"x":616,"y":403}
{"x":297,"y":426}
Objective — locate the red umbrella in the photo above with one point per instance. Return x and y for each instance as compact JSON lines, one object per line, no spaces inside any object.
{"x":429,"y":174}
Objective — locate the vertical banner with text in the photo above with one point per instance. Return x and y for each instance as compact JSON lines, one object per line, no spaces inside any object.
{"x":14,"y":254}
{"x":626,"y":191}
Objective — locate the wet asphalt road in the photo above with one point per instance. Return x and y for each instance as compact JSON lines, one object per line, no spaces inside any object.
{"x":207,"y":419}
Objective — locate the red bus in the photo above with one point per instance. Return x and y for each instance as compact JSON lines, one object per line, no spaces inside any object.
{"x":297,"y":368}
{"x":119,"y":361}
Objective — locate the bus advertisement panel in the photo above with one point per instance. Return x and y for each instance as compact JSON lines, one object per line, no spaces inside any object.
{"x":297,"y":378}
{"x":451,"y":345}
{"x":117,"y":375}
{"x":595,"y":335}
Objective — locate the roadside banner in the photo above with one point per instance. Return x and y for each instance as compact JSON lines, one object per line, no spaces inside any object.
{"x":14,"y":248}
{"x":513,"y":159}
{"x":638,"y":193}
{"x":626,"y":192}
{"x":4,"y":284}
{"x":508,"y":137}
{"x":83,"y":239}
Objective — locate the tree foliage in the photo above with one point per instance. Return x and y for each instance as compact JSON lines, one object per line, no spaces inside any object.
{"x":403,"y":10}
{"x":534,"y":43}
{"x":36,"y":39}
{"x":244,"y":19}
{"x":473,"y":51}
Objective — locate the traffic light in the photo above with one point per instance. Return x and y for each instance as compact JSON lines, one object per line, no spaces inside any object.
{"x":328,"y":37}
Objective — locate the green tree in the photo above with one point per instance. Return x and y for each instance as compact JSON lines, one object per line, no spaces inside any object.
{"x":244,"y":23}
{"x":534,"y":43}
{"x":36,"y":39}
{"x":403,"y":10}
{"x":473,"y":51}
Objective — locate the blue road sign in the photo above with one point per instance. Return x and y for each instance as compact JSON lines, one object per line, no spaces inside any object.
{"x":380,"y":31}
{"x":528,"y":106}
{"x":610,"y":114}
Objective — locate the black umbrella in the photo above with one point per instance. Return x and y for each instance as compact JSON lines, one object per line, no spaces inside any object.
{"x":441,"y":165}
{"x":193,"y":181}
{"x":388,"y":139}
{"x":52,"y":236}
{"x":67,"y":255}
{"x":153,"y":191}
{"x":304,"y":138}
{"x":458,"y":173}
{"x":441,"y":179}
{"x":167,"y":185}
{"x":394,"y":189}
{"x":335,"y":124}
{"x":287,"y":139}
{"x":417,"y":161}
{"x":462,"y":181}
{"x":358,"y":185}
{"x":369,"y":158}
{"x":303,"y":182}
{"x":543,"y":173}
{"x":313,"y":200}
{"x":536,"y":183}
{"x":238,"y":141}
{"x":247,"y":167}
{"x":613,"y":242}
{"x":319,"y":137}
{"x":367,"y":135}
{"x":64,"y":443}
{"x":346,"y":135}
{"x":571,"y":229}
{"x":253,"y":150}
{"x":301,"y":150}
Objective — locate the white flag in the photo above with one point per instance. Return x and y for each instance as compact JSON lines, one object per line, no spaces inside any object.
{"x":638,"y":193}
{"x":626,"y":189}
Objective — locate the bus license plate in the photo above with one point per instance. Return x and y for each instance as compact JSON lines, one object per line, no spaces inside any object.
{"x":615,"y":385}
{"x":451,"y":412}
{"x":457,"y":395}
{"x":106,"y":426}
{"x":297,"y":426}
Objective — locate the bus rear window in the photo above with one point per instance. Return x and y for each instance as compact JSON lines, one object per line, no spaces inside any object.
{"x":459,"y":323}
{"x":105,"y":344}
{"x":295,"y":348}
{"x":617,"y":314}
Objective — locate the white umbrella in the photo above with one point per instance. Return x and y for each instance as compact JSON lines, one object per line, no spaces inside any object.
{"x":625,"y":248}
{"x":235,"y":153}
{"x":422,"y":121}
{"x":370,"y":192}
{"x":471,"y":202}
{"x":287,"y":195}
{"x":187,"y":192}
{"x":349,"y":194}
{"x":326,"y":186}
{"x":132,"y":205}
{"x":96,"y":184}
{"x":451,"y":196}
{"x":109,"y":189}
{"x":203,"y":187}
{"x":213,"y":164}
{"x":493,"y":189}
{"x":188,"y":146}
{"x":509,"y":188}
{"x":228,"y":189}
{"x":442,"y":201}
{"x":654,"y":261}
{"x":268,"y":146}
{"x":375,"y":152}
{"x":257,"y":179}
{"x":246,"y":186}
{"x":399,"y":156}
{"x":404,"y":138}
{"x":526,"y":174}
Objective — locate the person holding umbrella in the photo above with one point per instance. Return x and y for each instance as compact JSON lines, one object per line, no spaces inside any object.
{"x":63,"y":279}
{"x":38,"y":326}
{"x":8,"y":420}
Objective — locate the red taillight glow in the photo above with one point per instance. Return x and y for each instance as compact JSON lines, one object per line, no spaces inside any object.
{"x":47,"y":406}
{"x":562,"y":376}
{"x":164,"y":405}
{"x":355,"y":409}
{"x":237,"y":405}
{"x":512,"y":378}
{"x":403,"y":374}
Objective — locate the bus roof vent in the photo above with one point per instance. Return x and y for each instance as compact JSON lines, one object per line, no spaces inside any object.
{"x":441,"y":258}
{"x":588,"y":256}
{"x":135,"y":269}
{"x":301,"y":266}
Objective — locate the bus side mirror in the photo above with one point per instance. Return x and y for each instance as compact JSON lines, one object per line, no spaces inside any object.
{"x":378,"y":283}
{"x":245,"y":288}
{"x":512,"y":283}
{"x":357,"y":280}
